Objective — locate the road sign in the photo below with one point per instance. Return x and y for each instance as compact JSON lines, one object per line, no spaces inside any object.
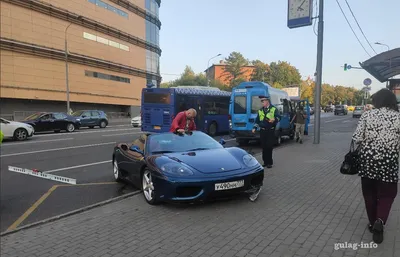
{"x":299,"y":13}
{"x":367,"y":82}
{"x":43,"y":175}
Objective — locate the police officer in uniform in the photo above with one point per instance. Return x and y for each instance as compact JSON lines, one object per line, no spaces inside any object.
{"x":266,"y":121}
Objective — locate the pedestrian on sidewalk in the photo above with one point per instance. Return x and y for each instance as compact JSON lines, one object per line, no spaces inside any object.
{"x":300,"y":118}
{"x":378,"y":133}
{"x":184,"y":122}
{"x":267,"y":119}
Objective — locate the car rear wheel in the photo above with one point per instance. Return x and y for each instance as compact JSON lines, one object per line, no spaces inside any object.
{"x":149,"y":191}
{"x":70,"y":127}
{"x":20,"y":134}
{"x":212,"y":130}
{"x":103,"y":124}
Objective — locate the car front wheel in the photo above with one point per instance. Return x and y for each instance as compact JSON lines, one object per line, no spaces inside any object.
{"x":20,"y":134}
{"x":70,"y":127}
{"x":149,"y":191}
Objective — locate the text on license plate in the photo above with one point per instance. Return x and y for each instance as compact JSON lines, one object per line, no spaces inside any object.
{"x":229,"y":185}
{"x":157,"y":127}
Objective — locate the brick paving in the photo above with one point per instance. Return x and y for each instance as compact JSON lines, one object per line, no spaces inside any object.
{"x":306,"y":206}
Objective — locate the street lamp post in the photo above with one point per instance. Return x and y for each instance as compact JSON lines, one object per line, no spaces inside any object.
{"x":378,"y":43}
{"x":66,"y":64}
{"x":208,"y":65}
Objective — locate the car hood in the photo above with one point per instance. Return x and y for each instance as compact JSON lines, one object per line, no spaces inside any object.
{"x":208,"y":161}
{"x":16,"y":123}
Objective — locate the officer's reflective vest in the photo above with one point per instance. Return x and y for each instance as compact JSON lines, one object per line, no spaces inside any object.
{"x":270,"y":115}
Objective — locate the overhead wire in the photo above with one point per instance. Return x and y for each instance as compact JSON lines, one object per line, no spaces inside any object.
{"x":341,"y":9}
{"x":360,"y":27}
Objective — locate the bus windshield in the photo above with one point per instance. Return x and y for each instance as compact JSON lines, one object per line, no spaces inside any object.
{"x":156,"y":98}
{"x":240,"y":105}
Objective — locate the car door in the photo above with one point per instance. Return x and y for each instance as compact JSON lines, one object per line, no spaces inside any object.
{"x":44,"y":122}
{"x":130,"y":162}
{"x":85,"y":118}
{"x":60,"y":121}
{"x":95,"y":118}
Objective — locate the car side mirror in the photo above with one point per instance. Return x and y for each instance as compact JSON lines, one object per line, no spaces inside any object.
{"x":136,"y":149}
{"x":83,"y":116}
{"x":222,"y":141}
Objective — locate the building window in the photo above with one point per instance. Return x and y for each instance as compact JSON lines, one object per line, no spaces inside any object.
{"x":105,"y":41}
{"x":152,"y":33}
{"x":152,"y":62}
{"x":99,"y":75}
{"x":111,"y":8}
{"x":152,"y":7}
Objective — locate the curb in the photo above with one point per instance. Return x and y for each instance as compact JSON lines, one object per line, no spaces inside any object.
{"x":67,"y":214}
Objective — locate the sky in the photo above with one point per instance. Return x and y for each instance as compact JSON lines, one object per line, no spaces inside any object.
{"x":194,"y":31}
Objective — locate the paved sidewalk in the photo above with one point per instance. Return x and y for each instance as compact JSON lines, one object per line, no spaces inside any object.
{"x":305,"y":208}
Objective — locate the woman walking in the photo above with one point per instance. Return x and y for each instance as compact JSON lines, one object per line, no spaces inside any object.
{"x":378,"y":133}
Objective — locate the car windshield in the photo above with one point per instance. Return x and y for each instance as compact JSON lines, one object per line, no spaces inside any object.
{"x":77,"y":113}
{"x":338,"y":106}
{"x":171,"y":143}
{"x":33,"y":116}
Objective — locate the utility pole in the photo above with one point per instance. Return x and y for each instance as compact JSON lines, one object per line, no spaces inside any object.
{"x":318,"y":85}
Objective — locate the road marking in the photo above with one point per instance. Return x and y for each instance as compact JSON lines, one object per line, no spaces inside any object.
{"x":131,"y":133}
{"x":328,"y":121}
{"x":78,"y":166}
{"x":56,"y":149}
{"x":42,"y":175}
{"x":39,"y":141}
{"x":85,"y":132}
{"x":91,"y":184}
{"x":32,"y":209}
{"x":123,"y":125}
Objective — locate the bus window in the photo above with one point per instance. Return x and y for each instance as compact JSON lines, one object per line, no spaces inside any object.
{"x":210,"y":107}
{"x":255,"y":104}
{"x":156,"y":98}
{"x":240,"y":105}
{"x":223,"y":105}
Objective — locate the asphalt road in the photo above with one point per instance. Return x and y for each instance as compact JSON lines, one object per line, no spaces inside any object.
{"x":84,"y":155}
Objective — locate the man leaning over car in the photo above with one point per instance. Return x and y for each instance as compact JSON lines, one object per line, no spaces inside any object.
{"x":184,"y":121}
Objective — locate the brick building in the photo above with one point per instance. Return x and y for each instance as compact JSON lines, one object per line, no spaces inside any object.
{"x":113,"y":52}
{"x":218,"y":72}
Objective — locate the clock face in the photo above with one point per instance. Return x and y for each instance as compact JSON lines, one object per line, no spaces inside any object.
{"x":299,"y":9}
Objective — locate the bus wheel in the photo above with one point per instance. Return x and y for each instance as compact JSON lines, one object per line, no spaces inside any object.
{"x":212,"y":130}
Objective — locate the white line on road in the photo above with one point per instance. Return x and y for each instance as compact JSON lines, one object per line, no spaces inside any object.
{"x":78,"y":166}
{"x":123,"y":125}
{"x":85,"y":132}
{"x":56,"y":149}
{"x":328,"y":121}
{"x":131,"y":133}
{"x":36,"y":142}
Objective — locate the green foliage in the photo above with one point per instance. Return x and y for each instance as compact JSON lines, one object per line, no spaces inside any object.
{"x":278,"y":74}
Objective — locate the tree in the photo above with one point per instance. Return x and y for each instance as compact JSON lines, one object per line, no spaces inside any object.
{"x":260,"y":72}
{"x":234,"y":67}
{"x":284,"y":73}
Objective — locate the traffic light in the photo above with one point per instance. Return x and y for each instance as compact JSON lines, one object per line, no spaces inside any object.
{"x":345,"y":67}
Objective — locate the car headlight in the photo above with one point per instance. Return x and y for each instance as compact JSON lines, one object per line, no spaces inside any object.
{"x":249,"y":160}
{"x":176,"y":169}
{"x":78,"y":119}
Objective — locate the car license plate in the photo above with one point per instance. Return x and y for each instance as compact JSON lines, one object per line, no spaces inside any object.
{"x":229,"y":185}
{"x":157,"y":127}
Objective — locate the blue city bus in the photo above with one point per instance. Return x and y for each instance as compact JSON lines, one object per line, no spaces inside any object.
{"x":160,"y":105}
{"x":244,"y":107}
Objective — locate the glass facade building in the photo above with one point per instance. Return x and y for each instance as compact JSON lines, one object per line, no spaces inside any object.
{"x":153,"y":37}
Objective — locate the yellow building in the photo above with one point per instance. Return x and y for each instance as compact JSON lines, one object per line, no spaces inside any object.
{"x":113,"y":52}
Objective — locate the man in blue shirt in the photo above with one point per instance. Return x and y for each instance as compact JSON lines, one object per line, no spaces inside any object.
{"x":266,"y":121}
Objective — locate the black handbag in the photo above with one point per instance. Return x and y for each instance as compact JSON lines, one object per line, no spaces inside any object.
{"x":351,"y":163}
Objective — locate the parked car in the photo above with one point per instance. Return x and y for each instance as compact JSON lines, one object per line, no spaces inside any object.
{"x":52,"y":121}
{"x":91,"y":118}
{"x":328,"y":108}
{"x":341,"y":109}
{"x":16,"y":130}
{"x":136,"y":121}
{"x":358,"y":111}
{"x":351,"y":108}
{"x":185,"y":168}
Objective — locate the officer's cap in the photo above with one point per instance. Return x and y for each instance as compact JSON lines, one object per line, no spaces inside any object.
{"x":263,"y":97}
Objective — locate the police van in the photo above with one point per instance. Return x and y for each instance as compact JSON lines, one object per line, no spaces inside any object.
{"x":244,"y":106}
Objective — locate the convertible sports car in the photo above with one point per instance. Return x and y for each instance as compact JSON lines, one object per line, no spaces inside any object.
{"x":186,"y":168}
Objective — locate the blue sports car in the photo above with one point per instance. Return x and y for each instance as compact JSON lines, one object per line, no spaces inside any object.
{"x":186,"y":168}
